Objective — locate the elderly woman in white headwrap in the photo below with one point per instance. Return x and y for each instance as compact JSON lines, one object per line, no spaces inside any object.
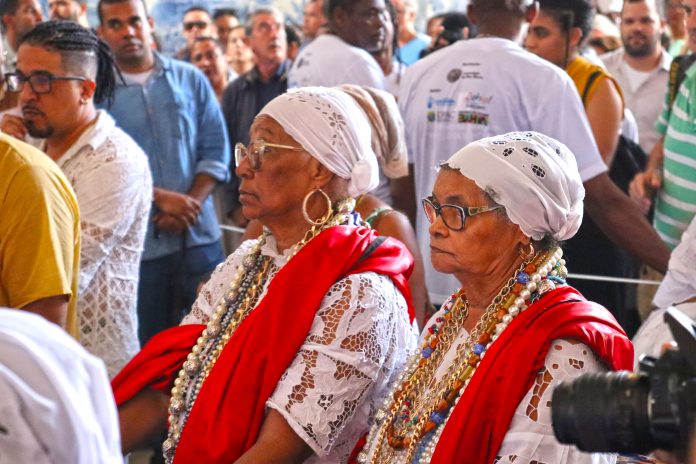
{"x":479,"y":390}
{"x":296,"y":336}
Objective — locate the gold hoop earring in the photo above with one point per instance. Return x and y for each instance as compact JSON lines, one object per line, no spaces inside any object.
{"x":526,"y":254}
{"x":325,"y":218}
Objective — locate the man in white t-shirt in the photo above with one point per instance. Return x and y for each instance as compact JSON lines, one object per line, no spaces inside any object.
{"x":341,"y":56}
{"x":641,"y":66}
{"x":488,"y":86}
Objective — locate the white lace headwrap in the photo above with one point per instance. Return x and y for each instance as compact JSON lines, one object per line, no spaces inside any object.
{"x":333,"y":129}
{"x":533,"y":176}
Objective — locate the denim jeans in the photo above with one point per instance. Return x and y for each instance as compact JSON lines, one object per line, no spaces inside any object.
{"x":167,"y":287}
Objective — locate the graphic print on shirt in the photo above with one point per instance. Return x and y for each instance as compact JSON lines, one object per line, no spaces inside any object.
{"x":470,"y":107}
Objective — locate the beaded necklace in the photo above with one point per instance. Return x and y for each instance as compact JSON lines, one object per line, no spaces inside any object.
{"x":415,"y":412}
{"x":239,"y":300}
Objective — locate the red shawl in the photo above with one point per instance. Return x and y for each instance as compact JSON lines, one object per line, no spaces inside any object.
{"x":482,"y":417}
{"x":226,"y":419}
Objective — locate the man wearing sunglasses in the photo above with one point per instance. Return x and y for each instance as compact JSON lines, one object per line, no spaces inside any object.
{"x":196,"y":22}
{"x":62,"y":71}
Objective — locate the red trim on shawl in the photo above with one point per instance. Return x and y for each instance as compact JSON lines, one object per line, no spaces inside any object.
{"x":228,"y":415}
{"x":482,"y":417}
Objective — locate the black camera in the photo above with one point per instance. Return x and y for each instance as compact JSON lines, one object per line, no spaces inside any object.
{"x":627,"y":412}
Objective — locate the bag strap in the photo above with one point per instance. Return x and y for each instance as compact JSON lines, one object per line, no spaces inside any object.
{"x":590,"y":80}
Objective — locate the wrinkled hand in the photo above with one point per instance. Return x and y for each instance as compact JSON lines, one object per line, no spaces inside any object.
{"x":643,"y":187}
{"x":14,"y":126}
{"x":168,"y":223}
{"x":182,"y":206}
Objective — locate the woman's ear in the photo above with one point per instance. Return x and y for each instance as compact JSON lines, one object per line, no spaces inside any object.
{"x":320,"y":174}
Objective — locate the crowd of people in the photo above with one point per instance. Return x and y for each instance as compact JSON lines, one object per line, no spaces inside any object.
{"x":429,"y":220}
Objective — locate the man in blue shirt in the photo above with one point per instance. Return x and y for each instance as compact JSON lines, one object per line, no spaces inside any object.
{"x":169,"y":108}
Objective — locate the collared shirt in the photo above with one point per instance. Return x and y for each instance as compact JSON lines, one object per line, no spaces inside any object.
{"x":645,"y":100}
{"x":111,"y":178}
{"x":176,"y":120}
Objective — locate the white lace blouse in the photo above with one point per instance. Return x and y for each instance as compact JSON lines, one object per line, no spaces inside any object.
{"x":111,"y":178}
{"x":530,"y":438}
{"x":359,"y":340}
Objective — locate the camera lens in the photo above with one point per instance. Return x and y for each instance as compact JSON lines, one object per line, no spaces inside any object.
{"x":604,"y":412}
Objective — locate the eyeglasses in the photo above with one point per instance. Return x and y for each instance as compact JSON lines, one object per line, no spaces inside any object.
{"x":195,"y":24}
{"x":255,"y":151}
{"x":39,"y":81}
{"x":453,"y":216}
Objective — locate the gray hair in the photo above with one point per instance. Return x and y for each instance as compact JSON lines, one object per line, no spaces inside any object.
{"x":266,"y":10}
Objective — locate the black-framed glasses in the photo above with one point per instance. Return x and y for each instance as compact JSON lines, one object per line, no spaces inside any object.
{"x":454,"y":216}
{"x":195,"y":24}
{"x":39,"y":81}
{"x":255,"y":151}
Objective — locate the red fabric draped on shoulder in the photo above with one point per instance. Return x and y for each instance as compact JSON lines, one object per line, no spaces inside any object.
{"x":480,"y":421}
{"x":230,"y":410}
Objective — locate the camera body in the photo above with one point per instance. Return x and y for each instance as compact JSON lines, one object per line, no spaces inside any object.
{"x":637,"y":412}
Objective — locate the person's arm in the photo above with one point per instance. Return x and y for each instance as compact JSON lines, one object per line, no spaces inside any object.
{"x":114,"y":191}
{"x":53,"y":308}
{"x":277,"y":444}
{"x":644,"y":185}
{"x":619,"y":218}
{"x":39,"y":231}
{"x":530,"y":437}
{"x":143,"y":419}
{"x":605,"y":112}
{"x":212,"y":143}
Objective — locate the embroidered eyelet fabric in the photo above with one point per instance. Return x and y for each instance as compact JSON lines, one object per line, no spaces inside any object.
{"x":530,"y":438}
{"x":359,"y":339}
{"x":113,"y":186}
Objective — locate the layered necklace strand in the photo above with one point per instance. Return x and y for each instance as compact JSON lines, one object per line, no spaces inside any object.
{"x":239,"y":300}
{"x":415,"y":412}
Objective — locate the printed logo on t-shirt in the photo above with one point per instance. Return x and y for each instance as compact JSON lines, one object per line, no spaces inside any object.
{"x":454,"y":75}
{"x":473,"y":117}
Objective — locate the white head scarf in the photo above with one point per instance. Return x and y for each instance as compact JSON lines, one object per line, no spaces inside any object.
{"x":56,"y":404}
{"x":333,"y":129}
{"x":533,"y":176}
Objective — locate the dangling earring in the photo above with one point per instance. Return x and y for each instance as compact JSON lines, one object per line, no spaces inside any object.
{"x":526,"y":254}
{"x":83,"y":101}
{"x":325,"y":218}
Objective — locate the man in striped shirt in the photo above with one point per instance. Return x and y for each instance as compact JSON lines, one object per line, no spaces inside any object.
{"x":671,"y":169}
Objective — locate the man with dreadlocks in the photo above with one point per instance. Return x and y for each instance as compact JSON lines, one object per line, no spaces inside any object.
{"x":63,"y":69}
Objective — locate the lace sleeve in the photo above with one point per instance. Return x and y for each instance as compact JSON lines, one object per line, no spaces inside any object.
{"x":215,"y":287}
{"x":356,"y":335}
{"x":530,"y":439}
{"x":114,"y":194}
